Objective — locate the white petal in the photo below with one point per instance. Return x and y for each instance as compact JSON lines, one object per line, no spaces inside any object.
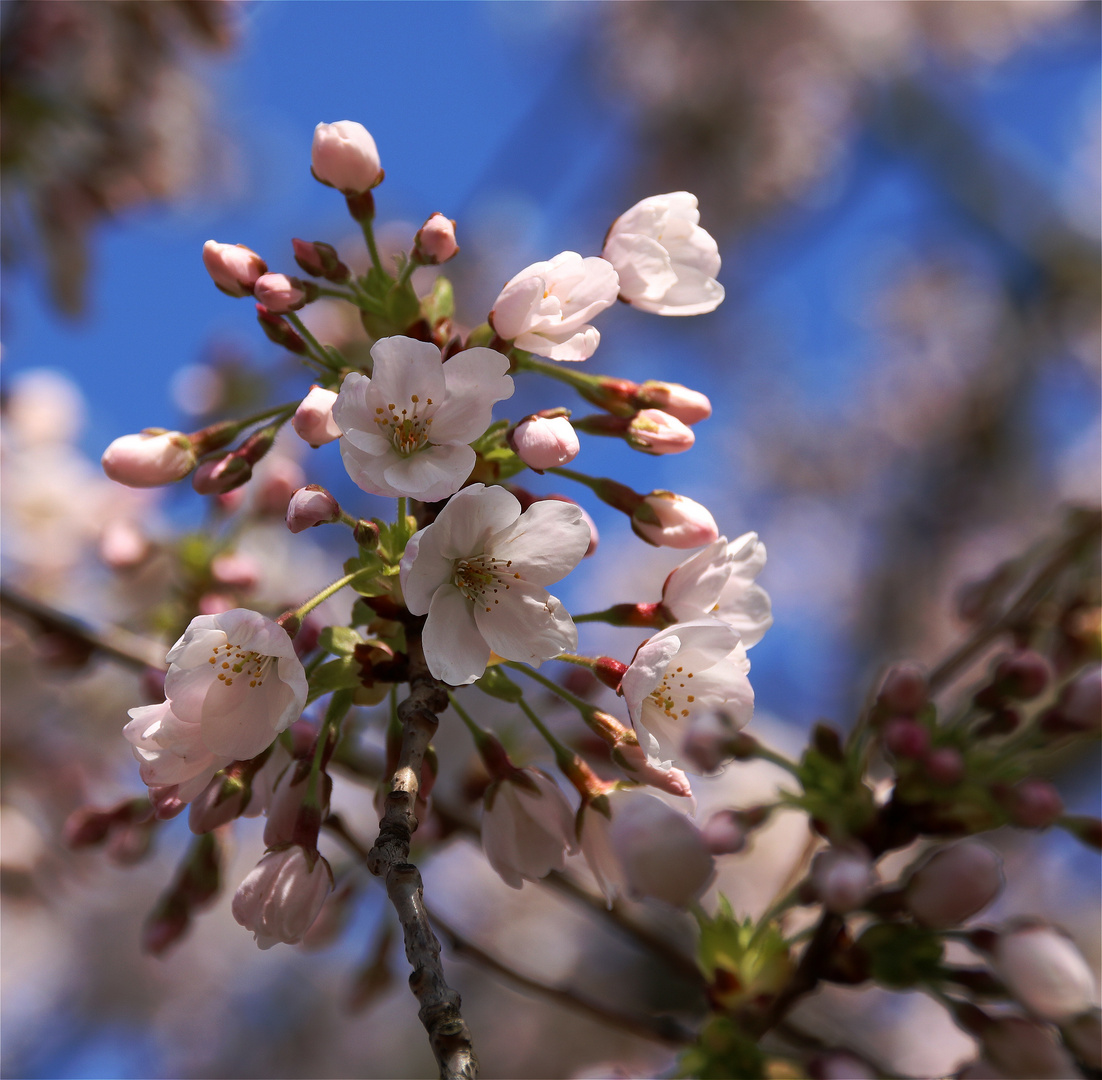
{"x":464,"y":527}
{"x":578,"y":346}
{"x":404,"y":367}
{"x":526,"y":624}
{"x":694,"y":587}
{"x":475,"y":379}
{"x":367,"y":470}
{"x":512,"y":312}
{"x":545,"y":543}
{"x":643,"y":264}
{"x":455,"y":650}
{"x":430,"y":474}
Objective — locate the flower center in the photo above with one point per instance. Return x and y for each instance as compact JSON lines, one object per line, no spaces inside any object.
{"x":671,"y":694}
{"x":406,"y":429}
{"x":232,"y":662}
{"x":481,"y":577}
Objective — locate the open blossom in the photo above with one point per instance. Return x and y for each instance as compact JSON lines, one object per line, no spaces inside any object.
{"x":645,"y":848}
{"x":527,"y":827}
{"x":282,"y":895}
{"x":542,"y":442}
{"x":344,"y":156}
{"x":687,"y":668}
{"x":233,"y":683}
{"x":313,"y":420}
{"x":234,"y":268}
{"x":479,"y":571}
{"x":546,"y":308}
{"x":406,"y":429}
{"x":720,"y":582}
{"x":668,"y":520}
{"x":667,"y":263}
{"x":149,"y":459}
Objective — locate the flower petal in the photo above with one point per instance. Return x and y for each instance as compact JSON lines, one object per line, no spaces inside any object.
{"x":405,"y":367}
{"x":475,"y":380}
{"x":526,"y":624}
{"x":455,"y":650}
{"x":464,"y":527}
{"x":545,"y":543}
{"x":430,"y":474}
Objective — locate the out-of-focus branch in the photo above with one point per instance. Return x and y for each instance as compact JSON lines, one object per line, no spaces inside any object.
{"x":449,"y":1035}
{"x":121,"y":645}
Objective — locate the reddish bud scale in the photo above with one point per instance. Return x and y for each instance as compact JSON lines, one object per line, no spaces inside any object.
{"x":278,"y":331}
{"x":609,"y":671}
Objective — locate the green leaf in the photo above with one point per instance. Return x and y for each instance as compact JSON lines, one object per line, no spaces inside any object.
{"x":497,"y":684}
{"x":371,"y":574}
{"x":339,"y":640}
{"x":440,"y":303}
{"x":901,"y":956}
{"x":340,"y":674}
{"x":721,"y":1052}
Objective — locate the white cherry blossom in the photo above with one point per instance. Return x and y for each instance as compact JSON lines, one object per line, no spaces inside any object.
{"x":687,"y":668}
{"x":233,"y":683}
{"x":406,"y":429}
{"x":527,"y":827}
{"x":546,"y":308}
{"x":282,"y":895}
{"x":479,"y":571}
{"x":666,"y":262}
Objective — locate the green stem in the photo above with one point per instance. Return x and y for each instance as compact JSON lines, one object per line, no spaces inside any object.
{"x":322,"y":356}
{"x":580,"y":478}
{"x":527,"y":362}
{"x":790,"y":899}
{"x":763,"y":752}
{"x":474,"y":729}
{"x":407,"y":273}
{"x":325,"y":593}
{"x":339,"y":704}
{"x":373,"y":250}
{"x":339,"y":294}
{"x":563,"y":756}
{"x":582,"y":706}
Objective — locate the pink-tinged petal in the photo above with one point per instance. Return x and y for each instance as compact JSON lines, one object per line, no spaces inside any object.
{"x":455,"y":650}
{"x":253,"y":632}
{"x":693,"y":589}
{"x":579,"y":346}
{"x":751,"y":615}
{"x":423,"y":570}
{"x":694,"y":294}
{"x":643,"y":265}
{"x":525,"y":623}
{"x":239,"y":720}
{"x":475,"y":379}
{"x":597,"y":848}
{"x":545,"y":543}
{"x":513,"y":307}
{"x":370,"y":443}
{"x":464,"y":527}
{"x":366,"y":471}
{"x":645,"y":672}
{"x":351,"y":409}
{"x":405,"y":367}
{"x":430,"y":474}
{"x":195,"y":644}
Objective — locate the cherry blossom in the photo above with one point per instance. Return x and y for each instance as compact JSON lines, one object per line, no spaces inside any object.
{"x":542,"y":442}
{"x":280,"y":293}
{"x":435,"y":241}
{"x":644,"y":848}
{"x":313,"y":420}
{"x":665,"y":519}
{"x":282,"y":895}
{"x":666,"y":262}
{"x":479,"y":571}
{"x":527,"y":827}
{"x":234,"y":268}
{"x":687,"y":668}
{"x":546,"y":308}
{"x":344,"y":156}
{"x":406,"y":429}
{"x":149,"y":459}
{"x":233,"y":683}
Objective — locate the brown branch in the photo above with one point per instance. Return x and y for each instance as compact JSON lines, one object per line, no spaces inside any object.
{"x":449,"y":1036}
{"x":659,"y":1028}
{"x":120,"y":645}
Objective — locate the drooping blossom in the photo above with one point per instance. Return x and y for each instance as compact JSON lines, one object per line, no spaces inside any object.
{"x":310,"y":506}
{"x":233,"y":683}
{"x":547,"y":307}
{"x":667,"y":263}
{"x":668,"y":520}
{"x":435,"y":240}
{"x":542,"y":442}
{"x":406,"y":429}
{"x":479,"y":571}
{"x":527,"y":827}
{"x":688,"y":668}
{"x":1045,"y":971}
{"x":645,"y":848}
{"x":344,"y":156}
{"x":313,"y":420}
{"x":282,"y":895}
{"x":149,"y":459}
{"x":234,"y":268}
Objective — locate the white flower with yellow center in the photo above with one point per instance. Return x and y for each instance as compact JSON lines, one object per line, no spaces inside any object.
{"x":685,"y":670}
{"x":233,"y":683}
{"x":406,"y":429}
{"x":479,"y":571}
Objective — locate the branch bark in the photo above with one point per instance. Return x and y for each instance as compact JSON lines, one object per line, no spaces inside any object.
{"x":449,"y":1035}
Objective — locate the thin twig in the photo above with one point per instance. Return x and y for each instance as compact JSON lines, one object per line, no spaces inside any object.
{"x":449,"y":1035}
{"x":121,"y":645}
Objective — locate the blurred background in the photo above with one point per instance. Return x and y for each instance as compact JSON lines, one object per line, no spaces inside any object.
{"x":905,"y":376}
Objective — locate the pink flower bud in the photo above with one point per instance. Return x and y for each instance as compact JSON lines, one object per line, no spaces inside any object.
{"x":149,"y":459}
{"x":689,"y":406}
{"x":724,"y":833}
{"x":1023,"y":675}
{"x":234,"y":268}
{"x":276,"y":483}
{"x":904,"y":690}
{"x":842,"y":879}
{"x":282,"y":895}
{"x":944,"y":766}
{"x":541,"y":443}
{"x":313,"y":420}
{"x":310,"y":506}
{"x":656,"y":432}
{"x":1083,"y":1035}
{"x":954,"y":884}
{"x":215,"y":603}
{"x":166,"y":801}
{"x":1034,"y":804}
{"x":122,"y":545}
{"x":1026,"y":1050}
{"x":222,"y":800}
{"x":707,"y":743}
{"x":435,"y":241}
{"x":236,"y":571}
{"x":344,"y":156}
{"x":668,"y":520}
{"x":906,"y":738}
{"x":1045,"y":971}
{"x":291,"y":820}
{"x":220,"y":475}
{"x":840,"y":1065}
{"x":320,"y":259}
{"x":280,"y":293}
{"x":1079,"y":708}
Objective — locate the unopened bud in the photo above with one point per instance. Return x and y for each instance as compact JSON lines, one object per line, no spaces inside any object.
{"x":1026,"y":1050}
{"x":657,"y":432}
{"x":235,"y":570}
{"x":905,"y":690}
{"x":1023,"y":675}
{"x":166,"y":801}
{"x":724,"y":832}
{"x":281,"y":294}
{"x":842,"y":879}
{"x":954,"y":884}
{"x":543,"y":443}
{"x":1083,"y":1035}
{"x":122,"y":545}
{"x":277,"y":330}
{"x":668,"y":520}
{"x":707,"y":743}
{"x":149,"y":459}
{"x":1079,"y":707}
{"x":313,"y":420}
{"x":366,"y":534}
{"x":906,"y":738}
{"x":234,"y":268}
{"x":840,"y":1065}
{"x":1045,"y":971}
{"x":222,"y":800}
{"x":435,"y":242}
{"x":320,"y":260}
{"x":688,"y":406}
{"x":609,"y":671}
{"x":310,"y":506}
{"x":344,"y":156}
{"x":944,"y":766}
{"x":221,"y":475}
{"x":1032,"y":803}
